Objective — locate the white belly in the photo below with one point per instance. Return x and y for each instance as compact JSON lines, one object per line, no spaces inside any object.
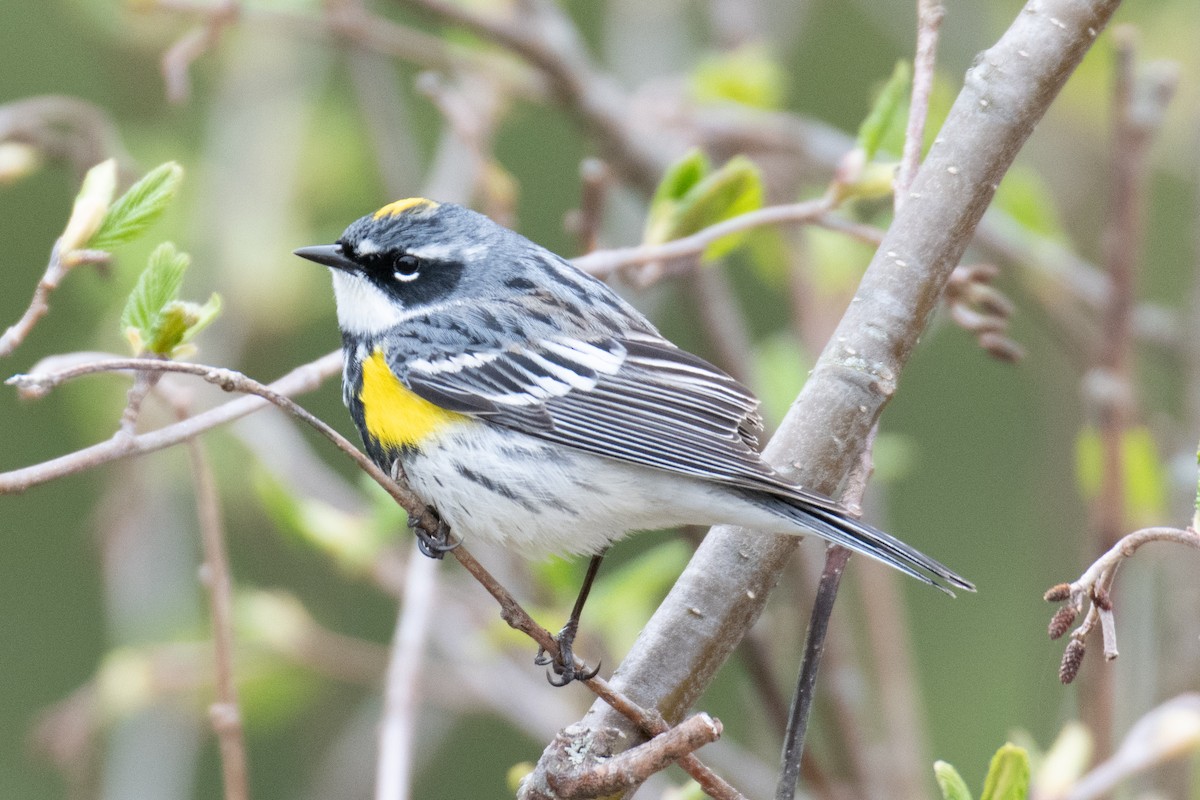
{"x":537,"y":499}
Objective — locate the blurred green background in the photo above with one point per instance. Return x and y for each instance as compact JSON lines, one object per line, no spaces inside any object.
{"x":978,"y":468}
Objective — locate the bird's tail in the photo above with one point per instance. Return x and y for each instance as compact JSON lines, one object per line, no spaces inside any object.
{"x":860,"y":537}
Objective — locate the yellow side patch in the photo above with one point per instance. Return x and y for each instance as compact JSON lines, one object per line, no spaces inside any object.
{"x":394,"y":415}
{"x":407,"y":204}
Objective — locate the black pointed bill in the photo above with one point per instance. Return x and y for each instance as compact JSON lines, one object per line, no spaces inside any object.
{"x":328,"y":254}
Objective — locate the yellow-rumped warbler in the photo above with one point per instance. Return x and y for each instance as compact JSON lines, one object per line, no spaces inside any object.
{"x":534,"y":408}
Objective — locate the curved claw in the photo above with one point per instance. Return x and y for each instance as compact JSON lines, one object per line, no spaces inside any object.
{"x":566,"y":673}
{"x":436,"y":545}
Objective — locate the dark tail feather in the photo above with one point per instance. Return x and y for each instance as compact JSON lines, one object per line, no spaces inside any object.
{"x":862,"y":538}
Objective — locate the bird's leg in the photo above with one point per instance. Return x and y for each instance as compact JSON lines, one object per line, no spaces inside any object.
{"x":432,"y":545}
{"x":436,"y":544}
{"x":564,"y":665}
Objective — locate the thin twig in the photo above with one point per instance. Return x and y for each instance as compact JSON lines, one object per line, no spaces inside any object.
{"x":510,"y":610}
{"x":225,"y":713}
{"x":929,"y":20}
{"x":836,"y":558}
{"x":544,"y":38}
{"x":304,"y":378}
{"x":605,"y":262}
{"x":63,"y":128}
{"x":39,"y":306}
{"x":401,"y":699}
{"x":1138,"y":105}
{"x":179,"y":57}
{"x":1093,"y":591}
{"x":724,"y":587}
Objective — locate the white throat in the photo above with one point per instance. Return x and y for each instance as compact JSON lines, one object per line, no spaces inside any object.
{"x":361,"y":307}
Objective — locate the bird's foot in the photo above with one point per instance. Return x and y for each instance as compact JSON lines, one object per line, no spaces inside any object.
{"x":436,"y":544}
{"x":563,"y":669}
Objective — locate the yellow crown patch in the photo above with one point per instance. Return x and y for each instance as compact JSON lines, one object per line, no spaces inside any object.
{"x":407,"y":204}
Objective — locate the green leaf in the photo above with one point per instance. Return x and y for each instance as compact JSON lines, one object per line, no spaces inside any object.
{"x":1008,"y":775}
{"x":1089,"y":462}
{"x":178,"y":322}
{"x":678,"y":180}
{"x":91,"y":206}
{"x":1145,"y":477}
{"x":747,"y":75}
{"x":139,"y":208}
{"x":692,"y":196}
{"x":876,"y":180}
{"x":837,"y":262}
{"x":891,"y":99}
{"x":157,"y":286}
{"x":193,"y":318}
{"x":734,"y":188}
{"x":950,"y":782}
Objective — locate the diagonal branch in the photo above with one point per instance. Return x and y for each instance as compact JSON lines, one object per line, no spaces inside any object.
{"x":648,"y":724}
{"x":725,"y":586}
{"x":304,"y":378}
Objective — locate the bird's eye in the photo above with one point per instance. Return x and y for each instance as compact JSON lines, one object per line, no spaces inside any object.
{"x":407,"y":268}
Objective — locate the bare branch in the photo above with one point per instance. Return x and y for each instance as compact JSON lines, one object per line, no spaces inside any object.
{"x":39,"y":306}
{"x":302,"y":379}
{"x":1092,"y":591}
{"x":63,"y":129}
{"x":229,"y":380}
{"x":929,"y":20}
{"x":603,"y":263}
{"x":401,"y":701}
{"x":548,"y":42}
{"x":1138,"y":105}
{"x":179,"y":57}
{"x":724,"y":587}
{"x":225,"y":713}
{"x":632,"y":767}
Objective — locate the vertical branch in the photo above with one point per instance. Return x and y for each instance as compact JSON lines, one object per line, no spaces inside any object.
{"x":1115,"y":406}
{"x":899,"y":696}
{"x":902,"y":722}
{"x":400,"y":699}
{"x":929,"y":21}
{"x":1138,"y":105}
{"x":225,"y":713}
{"x":814,"y":647}
{"x":723,"y":589}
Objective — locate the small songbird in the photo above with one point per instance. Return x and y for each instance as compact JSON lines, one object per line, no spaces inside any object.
{"x":533,"y":408}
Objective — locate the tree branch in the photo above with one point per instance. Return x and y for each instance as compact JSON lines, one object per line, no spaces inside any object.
{"x":1092,"y":591}
{"x":511,"y":612}
{"x":304,"y":378}
{"x":723,"y":589}
{"x":225,"y":713}
{"x":400,"y":702}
